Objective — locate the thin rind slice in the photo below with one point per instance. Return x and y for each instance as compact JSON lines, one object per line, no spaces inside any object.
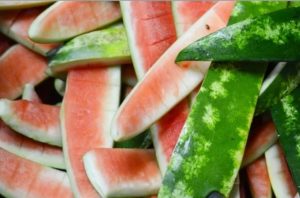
{"x":286,"y":116}
{"x":7,"y":5}
{"x":154,"y":96}
{"x":34,"y":120}
{"x":27,"y":148}
{"x":186,"y":13}
{"x":106,"y":47}
{"x":280,"y":176}
{"x":21,"y":177}
{"x":19,"y":66}
{"x":30,"y":94}
{"x":91,"y":99}
{"x":15,"y":25}
{"x":67,"y":19}
{"x":258,"y":178}
{"x":60,"y":86}
{"x":123,"y":172}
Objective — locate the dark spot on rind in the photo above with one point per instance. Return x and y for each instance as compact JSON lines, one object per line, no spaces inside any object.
{"x":207,"y":27}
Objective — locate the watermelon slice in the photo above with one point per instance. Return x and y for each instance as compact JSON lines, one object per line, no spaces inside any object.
{"x":66,"y":19}
{"x":35,"y":120}
{"x":99,"y":48}
{"x":154,"y":95}
{"x":6,"y":5}
{"x":91,"y":99}
{"x":19,"y":66}
{"x":22,"y":146}
{"x":150,"y":29}
{"x":261,"y":137}
{"x":5,"y":43}
{"x":30,"y":94}
{"x":15,"y":24}
{"x":186,"y":13}
{"x":258,"y":177}
{"x":23,"y":178}
{"x":123,"y":172}
{"x":280,"y":176}
{"x":60,"y":86}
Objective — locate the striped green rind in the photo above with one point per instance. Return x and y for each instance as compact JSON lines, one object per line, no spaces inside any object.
{"x":208,"y":155}
{"x":286,"y":116}
{"x":282,"y":80}
{"x":107,"y":46}
{"x":271,"y":37}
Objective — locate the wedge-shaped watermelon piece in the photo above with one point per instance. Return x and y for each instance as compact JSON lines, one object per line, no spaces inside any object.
{"x":283,"y":79}
{"x":91,"y":99}
{"x":22,"y":146}
{"x":15,"y":24}
{"x":186,"y":13}
{"x":66,"y":19}
{"x":99,"y":48}
{"x":30,"y":94}
{"x":21,"y":177}
{"x":262,"y":136}
{"x":7,"y":5}
{"x":5,"y":43}
{"x":280,"y":176}
{"x":154,"y":95}
{"x":150,"y":29}
{"x":19,"y":66}
{"x":258,"y":178}
{"x":123,"y":172}
{"x":286,"y":115}
{"x":34,"y":120}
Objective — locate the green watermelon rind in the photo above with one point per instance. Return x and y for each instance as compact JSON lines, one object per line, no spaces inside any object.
{"x":105,"y":47}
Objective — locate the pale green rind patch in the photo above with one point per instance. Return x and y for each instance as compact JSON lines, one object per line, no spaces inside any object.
{"x":103,"y":47}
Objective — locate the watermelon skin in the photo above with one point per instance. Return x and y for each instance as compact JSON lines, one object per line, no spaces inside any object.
{"x":34,"y":120}
{"x":27,"y":148}
{"x":19,"y":66}
{"x":92,"y":96}
{"x":258,"y":178}
{"x":123,"y":172}
{"x":150,"y":30}
{"x":21,"y":177}
{"x":286,"y":115}
{"x":261,"y":138}
{"x":186,"y":13}
{"x":10,"y":5}
{"x":106,"y":47}
{"x":283,"y":79}
{"x":15,"y":25}
{"x":154,"y":96}
{"x":280,"y":176}
{"x":65,"y":20}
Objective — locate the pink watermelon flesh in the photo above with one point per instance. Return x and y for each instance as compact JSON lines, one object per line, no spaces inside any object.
{"x":23,"y":178}
{"x":34,"y":120}
{"x":15,"y":24}
{"x":5,"y":43}
{"x":123,"y":172}
{"x":186,"y":13}
{"x":150,"y":29}
{"x":166,"y":84}
{"x":258,"y":179}
{"x":19,"y":66}
{"x":67,"y":19}
{"x":91,"y":99}
{"x":262,"y":137}
{"x":30,"y":94}
{"x":279,"y":173}
{"x":22,"y":146}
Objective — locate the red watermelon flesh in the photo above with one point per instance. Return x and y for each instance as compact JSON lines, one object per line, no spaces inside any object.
{"x":186,"y":13}
{"x":91,"y":99}
{"x":166,"y":84}
{"x":19,"y":66}
{"x":258,"y":178}
{"x":262,"y":137}
{"x":22,"y":146}
{"x":34,"y":120}
{"x":23,"y":178}
{"x":15,"y":24}
{"x":123,"y":172}
{"x":66,"y":19}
